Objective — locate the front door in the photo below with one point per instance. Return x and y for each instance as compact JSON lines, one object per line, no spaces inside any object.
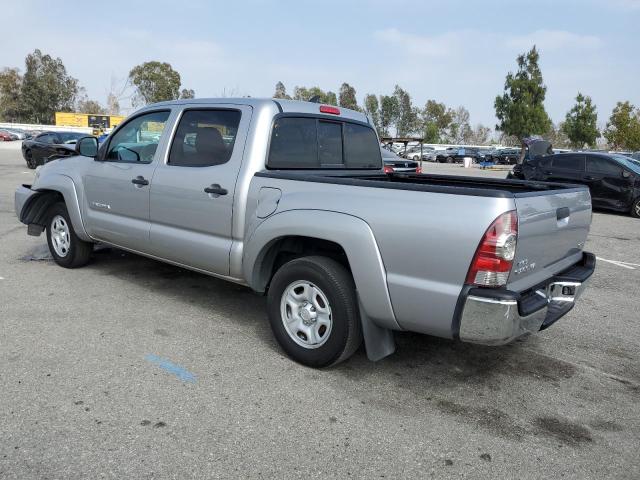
{"x":609,"y":187}
{"x":116,"y":203}
{"x":193,"y":188}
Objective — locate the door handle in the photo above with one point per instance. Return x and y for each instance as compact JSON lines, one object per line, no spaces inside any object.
{"x":140,"y":180}
{"x":589,"y":177}
{"x":547,"y":172}
{"x":216,"y":190}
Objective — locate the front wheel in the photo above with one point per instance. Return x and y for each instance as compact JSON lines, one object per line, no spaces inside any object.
{"x":313,"y":311}
{"x":31,"y":162}
{"x":449,"y":160}
{"x":635,"y":208}
{"x":66,"y":248}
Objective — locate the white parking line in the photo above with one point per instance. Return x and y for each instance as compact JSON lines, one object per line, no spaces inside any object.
{"x":627,"y":265}
{"x":1,"y":278}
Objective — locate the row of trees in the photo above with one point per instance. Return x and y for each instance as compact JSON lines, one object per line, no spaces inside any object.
{"x":519,"y":109}
{"x":46,"y":88}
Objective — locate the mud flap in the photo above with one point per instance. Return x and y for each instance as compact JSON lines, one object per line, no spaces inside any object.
{"x":378,"y":341}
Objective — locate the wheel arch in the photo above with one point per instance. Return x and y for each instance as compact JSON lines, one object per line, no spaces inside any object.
{"x":343,"y":237}
{"x":49,"y":191}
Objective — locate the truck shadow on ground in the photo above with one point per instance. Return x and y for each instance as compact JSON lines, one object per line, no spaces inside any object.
{"x":460,"y":380}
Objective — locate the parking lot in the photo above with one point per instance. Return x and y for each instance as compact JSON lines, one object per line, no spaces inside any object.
{"x":130,"y":368}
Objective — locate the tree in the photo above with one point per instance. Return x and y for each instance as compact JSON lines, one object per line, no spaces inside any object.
{"x":281,"y":92}
{"x":187,"y":93}
{"x":406,"y":116}
{"x":305,"y":94}
{"x":46,"y":88}
{"x":156,"y":82}
{"x":85,"y":105}
{"x":520,"y":109}
{"x":580,"y":123}
{"x":388,"y":113}
{"x":435,"y":118}
{"x":347,"y":97}
{"x":372,"y":108}
{"x":623,"y":127}
{"x":459,"y":128}
{"x":10,"y":102}
{"x":557,"y":136}
{"x":478,"y":136}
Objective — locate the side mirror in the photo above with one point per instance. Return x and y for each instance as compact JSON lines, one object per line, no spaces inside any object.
{"x":87,"y":147}
{"x":625,"y":174}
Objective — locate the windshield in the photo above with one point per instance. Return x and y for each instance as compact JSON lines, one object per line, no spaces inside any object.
{"x":70,"y":136}
{"x":628,"y":162}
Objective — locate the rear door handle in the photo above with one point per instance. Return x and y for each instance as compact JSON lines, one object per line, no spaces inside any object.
{"x":140,"y":180}
{"x":589,"y":177}
{"x":216,"y":190}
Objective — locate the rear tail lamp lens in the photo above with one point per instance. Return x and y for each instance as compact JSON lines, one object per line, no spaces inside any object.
{"x":494,"y":257}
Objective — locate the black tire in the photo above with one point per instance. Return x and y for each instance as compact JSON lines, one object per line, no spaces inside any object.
{"x":336,"y":283}
{"x":78,"y":251}
{"x":31,"y":162}
{"x":449,"y":160}
{"x":635,"y":208}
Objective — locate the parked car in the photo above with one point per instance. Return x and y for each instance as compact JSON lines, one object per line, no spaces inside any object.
{"x":297,"y":206}
{"x":20,"y":134}
{"x":394,"y":164}
{"x":613,"y":179}
{"x":49,"y":145}
{"x":458,"y":154}
{"x":7,"y":136}
{"x":636,"y":156}
{"x":507,"y":156}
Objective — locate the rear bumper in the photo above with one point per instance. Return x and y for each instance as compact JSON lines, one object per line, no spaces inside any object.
{"x":497,"y":317}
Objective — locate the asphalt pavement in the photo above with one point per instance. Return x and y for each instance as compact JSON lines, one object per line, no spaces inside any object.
{"x":130,"y":368}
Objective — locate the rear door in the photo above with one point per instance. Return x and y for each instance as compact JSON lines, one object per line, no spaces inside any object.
{"x":609,"y":188}
{"x":569,"y":168}
{"x":193,"y":189}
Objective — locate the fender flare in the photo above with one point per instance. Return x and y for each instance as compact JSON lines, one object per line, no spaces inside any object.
{"x":34,"y":210}
{"x":352,"y":233}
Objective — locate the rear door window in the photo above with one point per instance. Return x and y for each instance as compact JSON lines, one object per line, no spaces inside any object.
{"x":204,"y":138}
{"x":569,"y":162}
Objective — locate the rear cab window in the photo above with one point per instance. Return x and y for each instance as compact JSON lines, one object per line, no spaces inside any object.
{"x":320,"y":143}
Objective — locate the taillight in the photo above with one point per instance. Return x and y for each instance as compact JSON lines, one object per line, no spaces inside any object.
{"x":418,"y":169}
{"x":494,"y":257}
{"x":388,"y":169}
{"x":329,"y":109}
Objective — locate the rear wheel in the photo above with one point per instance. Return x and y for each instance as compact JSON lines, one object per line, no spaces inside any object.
{"x":31,"y":162}
{"x":66,"y":248}
{"x":635,"y":208}
{"x":449,"y":159}
{"x":313,"y":311}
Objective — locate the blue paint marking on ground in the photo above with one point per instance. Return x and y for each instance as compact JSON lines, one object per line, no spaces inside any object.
{"x":177,"y":370}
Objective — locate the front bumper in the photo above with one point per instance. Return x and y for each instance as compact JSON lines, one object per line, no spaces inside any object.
{"x":497,"y":317}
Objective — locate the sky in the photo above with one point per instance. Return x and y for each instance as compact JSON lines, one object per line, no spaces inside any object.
{"x":457,"y":52}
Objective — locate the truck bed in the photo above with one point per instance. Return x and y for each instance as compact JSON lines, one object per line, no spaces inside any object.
{"x":452,"y":184}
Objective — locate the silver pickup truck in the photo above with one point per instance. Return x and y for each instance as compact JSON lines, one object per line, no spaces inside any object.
{"x":290,"y":198}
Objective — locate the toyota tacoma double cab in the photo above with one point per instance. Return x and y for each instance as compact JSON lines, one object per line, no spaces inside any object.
{"x":291,"y":199}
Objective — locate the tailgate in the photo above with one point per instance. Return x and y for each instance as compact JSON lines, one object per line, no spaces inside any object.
{"x":552,"y":230}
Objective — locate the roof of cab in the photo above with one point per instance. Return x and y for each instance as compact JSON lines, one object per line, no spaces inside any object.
{"x":289,"y":106}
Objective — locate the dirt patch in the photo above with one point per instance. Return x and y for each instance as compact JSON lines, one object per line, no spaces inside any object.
{"x":492,"y":419}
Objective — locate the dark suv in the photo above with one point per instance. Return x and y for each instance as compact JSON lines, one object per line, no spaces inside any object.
{"x":613,"y":179}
